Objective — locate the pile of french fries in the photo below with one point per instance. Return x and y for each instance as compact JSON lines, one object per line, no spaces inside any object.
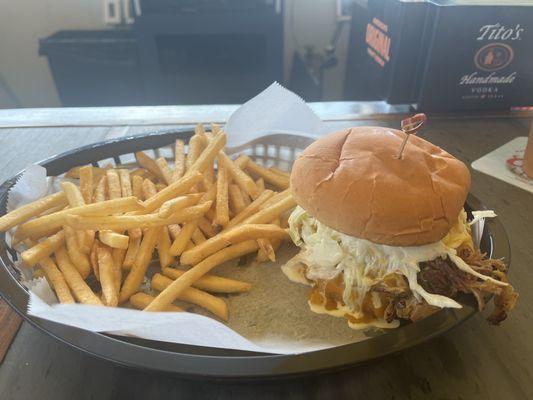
{"x":94,"y":241}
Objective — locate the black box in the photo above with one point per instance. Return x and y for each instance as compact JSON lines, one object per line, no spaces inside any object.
{"x":442,"y":55}
{"x":477,"y":56}
{"x":385,"y":46}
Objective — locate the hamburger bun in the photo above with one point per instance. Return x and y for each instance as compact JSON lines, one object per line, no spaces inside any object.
{"x":353,"y":182}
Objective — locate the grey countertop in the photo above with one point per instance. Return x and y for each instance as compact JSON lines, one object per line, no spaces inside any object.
{"x":474,"y":361}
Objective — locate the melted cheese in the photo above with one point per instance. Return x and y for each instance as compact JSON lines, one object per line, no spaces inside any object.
{"x":342,"y":311}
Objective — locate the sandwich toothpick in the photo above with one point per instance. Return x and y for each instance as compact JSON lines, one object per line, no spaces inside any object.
{"x":411,"y":126}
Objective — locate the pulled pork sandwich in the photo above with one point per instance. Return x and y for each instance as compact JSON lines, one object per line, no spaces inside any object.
{"x":384,"y":238}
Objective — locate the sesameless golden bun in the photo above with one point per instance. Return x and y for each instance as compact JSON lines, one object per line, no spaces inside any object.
{"x":353,"y":182}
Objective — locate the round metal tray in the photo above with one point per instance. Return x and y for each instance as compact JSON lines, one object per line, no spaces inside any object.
{"x":205,"y":362}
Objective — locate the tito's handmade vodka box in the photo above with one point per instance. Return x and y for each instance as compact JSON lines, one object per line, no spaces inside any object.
{"x":443,"y":55}
{"x":477,"y":55}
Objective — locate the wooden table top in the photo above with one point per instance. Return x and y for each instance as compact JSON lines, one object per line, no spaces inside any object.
{"x":474,"y":361}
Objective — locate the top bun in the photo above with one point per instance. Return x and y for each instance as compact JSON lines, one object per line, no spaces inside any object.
{"x":353,"y":182}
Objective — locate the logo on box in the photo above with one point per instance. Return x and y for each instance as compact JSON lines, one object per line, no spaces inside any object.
{"x":494,"y":56}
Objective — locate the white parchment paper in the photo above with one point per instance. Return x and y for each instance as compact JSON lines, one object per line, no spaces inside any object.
{"x":274,"y":110}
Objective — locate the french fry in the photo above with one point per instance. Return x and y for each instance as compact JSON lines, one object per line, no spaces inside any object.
{"x":148,"y":163}
{"x":179,"y":160}
{"x":73,"y":193}
{"x":118,"y":256}
{"x":148,"y":188}
{"x":107,"y":276}
{"x":240,"y":177}
{"x":273,"y":178}
{"x":86,"y":183}
{"x":74,"y":173}
{"x":135,"y":233}
{"x":57,"y":280}
{"x":79,"y":259}
{"x":211,"y":215}
{"x":191,"y":295}
{"x":222,"y":204}
{"x":75,"y":199}
{"x":138,"y":269}
{"x":198,"y":237}
{"x":260,"y":185}
{"x":143,"y":173}
{"x":114,"y":239}
{"x":275,"y":242}
{"x":43,"y":249}
{"x":207,"y":157}
{"x":210,"y":195}
{"x":250,"y":210}
{"x":93,"y":257}
{"x":88,"y":244}
{"x":209,"y":175}
{"x":165,"y":170}
{"x":266,"y":251}
{"x":183,"y":238}
{"x":277,"y":171}
{"x":206,"y":227}
{"x":160,"y":186}
{"x":137,"y":186}
{"x":114,"y":190}
{"x":241,"y":161}
{"x":230,"y":237}
{"x":180,"y":285}
{"x":53,"y":210}
{"x":272,"y":212}
{"x":163,"y":248}
{"x":125,"y":183}
{"x":171,"y":206}
{"x":46,"y":224}
{"x":131,"y":253}
{"x":236,"y":199}
{"x":246,"y":198}
{"x":81,"y":291}
{"x":195,"y":149}
{"x":121,"y":222}
{"x":178,"y":188}
{"x":100,"y":192}
{"x":140,"y":300}
{"x":275,"y":198}
{"x":212,"y":283}
{"x":174,"y":230}
{"x":199,"y":130}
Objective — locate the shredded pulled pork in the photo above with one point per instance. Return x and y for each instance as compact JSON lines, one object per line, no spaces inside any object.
{"x":505,"y":296}
{"x":440,"y":276}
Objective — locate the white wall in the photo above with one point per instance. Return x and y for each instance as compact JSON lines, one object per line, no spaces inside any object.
{"x":24,"y":22}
